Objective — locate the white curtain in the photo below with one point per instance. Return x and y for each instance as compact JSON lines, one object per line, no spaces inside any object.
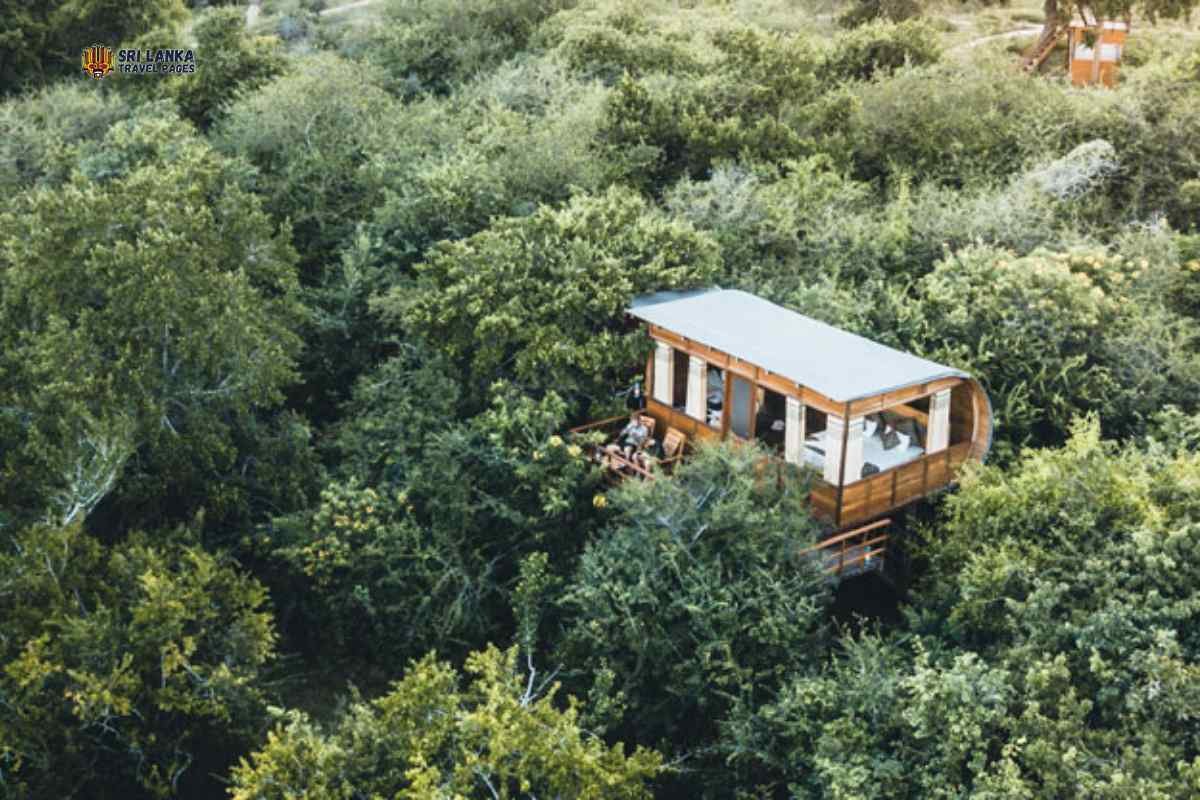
{"x":697,"y":405}
{"x":938,"y":435}
{"x":663,"y":373}
{"x":793,"y":432}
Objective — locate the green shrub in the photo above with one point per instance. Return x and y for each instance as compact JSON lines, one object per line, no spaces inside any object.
{"x":40,"y":134}
{"x":541,"y":299}
{"x":866,"y":11}
{"x":604,"y":43}
{"x":708,"y":564}
{"x":523,"y":136}
{"x":309,"y":133}
{"x":230,"y":62}
{"x":436,"y":535}
{"x":1055,"y":335}
{"x":434,"y":45}
{"x":128,"y":670}
{"x":175,"y":263}
{"x":430,"y":736}
{"x":949,"y":124}
{"x":1029,"y":329}
{"x":42,"y":41}
{"x":1185,"y":294}
{"x":881,"y":48}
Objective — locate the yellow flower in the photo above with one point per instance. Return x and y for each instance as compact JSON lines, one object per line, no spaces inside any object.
{"x":574,"y":450}
{"x":1143,"y":263}
{"x":600,"y":501}
{"x":556,"y":441}
{"x":537,"y":455}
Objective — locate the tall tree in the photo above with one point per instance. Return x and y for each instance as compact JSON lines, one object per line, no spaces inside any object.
{"x":146,"y":305}
{"x":541,"y":299}
{"x":125,"y":671}
{"x":504,"y":735}
{"x":41,"y":41}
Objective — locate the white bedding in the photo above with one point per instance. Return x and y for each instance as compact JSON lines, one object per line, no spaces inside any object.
{"x":873,"y":453}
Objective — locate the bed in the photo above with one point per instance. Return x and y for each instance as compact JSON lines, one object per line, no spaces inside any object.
{"x":873,"y":453}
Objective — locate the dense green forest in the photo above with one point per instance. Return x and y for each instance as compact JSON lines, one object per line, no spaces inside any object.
{"x":288,"y":346}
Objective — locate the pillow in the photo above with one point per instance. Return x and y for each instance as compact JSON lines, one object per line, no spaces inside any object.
{"x":890,"y":439}
{"x":905,"y":440}
{"x":869,"y":426}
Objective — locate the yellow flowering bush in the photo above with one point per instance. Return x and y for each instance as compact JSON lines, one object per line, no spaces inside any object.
{"x":346,"y":517}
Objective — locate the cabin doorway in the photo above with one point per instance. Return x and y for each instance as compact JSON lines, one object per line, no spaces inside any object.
{"x":770,"y":419}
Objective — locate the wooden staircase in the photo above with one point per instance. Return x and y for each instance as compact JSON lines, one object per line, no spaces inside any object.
{"x":1036,"y":55}
{"x":854,"y":552}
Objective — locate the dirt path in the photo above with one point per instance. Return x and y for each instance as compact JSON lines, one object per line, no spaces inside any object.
{"x":996,"y":38}
{"x":252,"y":12}
{"x":347,"y":7}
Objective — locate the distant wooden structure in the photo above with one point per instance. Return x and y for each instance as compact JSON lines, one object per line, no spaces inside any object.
{"x":1095,"y":63}
{"x":1094,"y":48}
{"x":879,"y":428}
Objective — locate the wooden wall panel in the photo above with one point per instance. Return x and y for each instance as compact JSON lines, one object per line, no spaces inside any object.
{"x":670,"y":417}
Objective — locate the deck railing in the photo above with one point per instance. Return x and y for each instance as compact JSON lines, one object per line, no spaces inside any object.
{"x":852,"y":552}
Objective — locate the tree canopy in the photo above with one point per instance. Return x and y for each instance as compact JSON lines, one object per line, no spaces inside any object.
{"x":295,"y":349}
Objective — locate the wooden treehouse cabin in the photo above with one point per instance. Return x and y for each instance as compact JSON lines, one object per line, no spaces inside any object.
{"x":879,"y":428}
{"x":1094,"y":48}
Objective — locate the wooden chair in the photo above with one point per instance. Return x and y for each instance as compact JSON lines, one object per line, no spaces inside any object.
{"x":649,"y":422}
{"x":673,"y":444}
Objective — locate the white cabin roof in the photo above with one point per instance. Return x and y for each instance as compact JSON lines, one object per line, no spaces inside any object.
{"x":836,"y":363}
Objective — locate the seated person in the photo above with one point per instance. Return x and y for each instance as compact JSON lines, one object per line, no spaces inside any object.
{"x":633,"y":435}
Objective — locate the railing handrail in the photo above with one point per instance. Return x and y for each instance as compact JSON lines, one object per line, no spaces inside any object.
{"x":843,"y":563}
{"x":621,"y":460}
{"x":597,"y":424}
{"x":825,"y":544}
